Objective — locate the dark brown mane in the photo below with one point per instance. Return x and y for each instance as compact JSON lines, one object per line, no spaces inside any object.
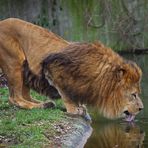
{"x":39,"y":83}
{"x":72,"y":59}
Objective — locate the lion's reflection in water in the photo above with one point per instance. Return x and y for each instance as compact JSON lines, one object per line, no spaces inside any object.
{"x":117,"y":136}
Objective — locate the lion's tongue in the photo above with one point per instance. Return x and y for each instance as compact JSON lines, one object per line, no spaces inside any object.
{"x":129,"y":118}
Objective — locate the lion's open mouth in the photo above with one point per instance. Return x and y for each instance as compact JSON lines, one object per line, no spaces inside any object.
{"x":129,"y":117}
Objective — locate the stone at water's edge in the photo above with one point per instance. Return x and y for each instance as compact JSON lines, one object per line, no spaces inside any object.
{"x":77,"y":138}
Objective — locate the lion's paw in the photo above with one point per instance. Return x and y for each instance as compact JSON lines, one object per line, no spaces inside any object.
{"x":82,"y":111}
{"x":87,"y":117}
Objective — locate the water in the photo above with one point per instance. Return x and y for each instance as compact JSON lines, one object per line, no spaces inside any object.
{"x":118,"y":134}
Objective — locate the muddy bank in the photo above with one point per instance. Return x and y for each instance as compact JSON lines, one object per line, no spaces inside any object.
{"x":72,"y":132}
{"x":78,"y":137}
{"x":69,"y":132}
{"x":39,"y":128}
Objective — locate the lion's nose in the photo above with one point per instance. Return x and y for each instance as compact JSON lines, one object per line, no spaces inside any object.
{"x":140,"y":109}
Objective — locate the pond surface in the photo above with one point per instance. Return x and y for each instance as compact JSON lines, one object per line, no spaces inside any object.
{"x":119,"y":134}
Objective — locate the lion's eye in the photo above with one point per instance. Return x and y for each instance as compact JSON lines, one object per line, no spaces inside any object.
{"x":134,"y":95}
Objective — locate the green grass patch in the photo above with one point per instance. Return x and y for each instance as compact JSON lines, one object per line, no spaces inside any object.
{"x":26,"y":128}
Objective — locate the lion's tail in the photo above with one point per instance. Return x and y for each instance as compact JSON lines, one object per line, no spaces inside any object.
{"x":38,"y":83}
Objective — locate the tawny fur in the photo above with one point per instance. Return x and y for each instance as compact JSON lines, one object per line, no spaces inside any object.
{"x":22,"y":41}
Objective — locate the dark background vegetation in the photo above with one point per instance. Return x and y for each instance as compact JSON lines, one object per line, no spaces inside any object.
{"x":120,"y":24}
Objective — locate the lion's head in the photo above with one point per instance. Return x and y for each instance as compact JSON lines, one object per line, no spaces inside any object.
{"x":124,"y":100}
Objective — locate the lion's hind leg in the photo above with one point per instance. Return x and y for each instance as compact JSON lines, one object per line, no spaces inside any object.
{"x":40,"y":85}
{"x":15,"y":84}
{"x":26,"y":95}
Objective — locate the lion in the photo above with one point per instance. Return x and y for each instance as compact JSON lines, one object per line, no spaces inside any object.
{"x":81,"y":74}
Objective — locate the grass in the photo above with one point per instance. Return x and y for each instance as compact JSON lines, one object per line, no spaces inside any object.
{"x":26,"y":128}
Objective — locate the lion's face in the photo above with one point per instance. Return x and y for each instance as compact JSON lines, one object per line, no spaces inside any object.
{"x":132,"y":103}
{"x":124,"y":102}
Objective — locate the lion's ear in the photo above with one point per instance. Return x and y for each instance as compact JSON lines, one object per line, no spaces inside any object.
{"x":120,"y":72}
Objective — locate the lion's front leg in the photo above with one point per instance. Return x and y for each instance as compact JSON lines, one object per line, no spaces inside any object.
{"x":76,"y":109}
{"x":83,"y":111}
{"x":15,"y":84}
{"x":71,"y":107}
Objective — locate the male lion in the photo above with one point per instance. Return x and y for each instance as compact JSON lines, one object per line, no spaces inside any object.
{"x":32,"y":57}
